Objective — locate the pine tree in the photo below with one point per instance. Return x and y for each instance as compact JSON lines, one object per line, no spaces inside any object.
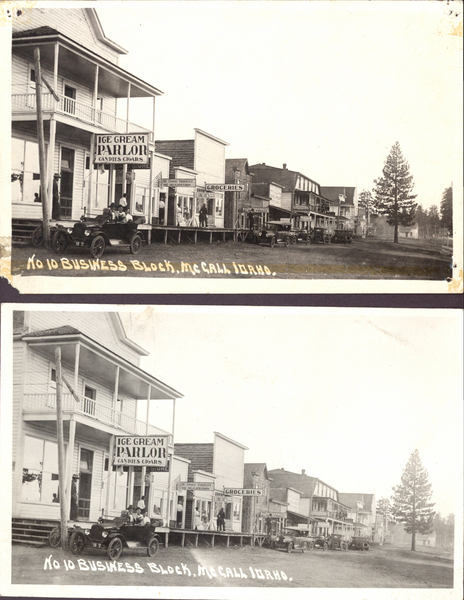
{"x":411,"y":499}
{"x":392,"y":191}
{"x":446,"y":209}
{"x":384,"y":509}
{"x":366,"y":201}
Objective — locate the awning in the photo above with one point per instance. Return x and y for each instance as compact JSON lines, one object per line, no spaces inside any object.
{"x":300,"y":516}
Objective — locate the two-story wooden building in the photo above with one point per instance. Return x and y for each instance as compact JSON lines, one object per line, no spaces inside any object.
{"x":101,"y":364}
{"x":81,"y":66}
{"x":301,"y":198}
{"x":256,"y":508}
{"x":202,"y":161}
{"x":214,"y":467}
{"x":344,"y":204}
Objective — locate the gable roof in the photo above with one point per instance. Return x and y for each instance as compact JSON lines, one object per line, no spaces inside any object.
{"x":182,"y":153}
{"x":300,"y":481}
{"x":332,"y":194}
{"x":250,"y":468}
{"x":235,"y":163}
{"x":352,"y":500}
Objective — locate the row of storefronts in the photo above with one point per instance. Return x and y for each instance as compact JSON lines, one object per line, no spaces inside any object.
{"x":98,"y":156}
{"x":115,"y":457}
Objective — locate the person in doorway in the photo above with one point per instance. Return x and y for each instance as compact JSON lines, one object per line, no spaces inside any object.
{"x":180,"y":510}
{"x":221,"y":520}
{"x":123,"y":202}
{"x":203,"y":216}
{"x":56,"y":210}
{"x":161,"y":212}
{"x":197,"y":519}
{"x":141,"y":503}
{"x":74,"y":500}
{"x":269,"y":524}
{"x":179,"y":216}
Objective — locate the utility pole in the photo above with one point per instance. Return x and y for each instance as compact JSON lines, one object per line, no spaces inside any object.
{"x":60,"y":438}
{"x":40,"y":137}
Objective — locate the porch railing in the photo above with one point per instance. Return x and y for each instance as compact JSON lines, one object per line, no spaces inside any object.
{"x":45,"y":403}
{"x":78,"y":110}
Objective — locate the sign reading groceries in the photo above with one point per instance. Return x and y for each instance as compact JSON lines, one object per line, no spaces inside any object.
{"x":117,"y":148}
{"x":242,"y":492}
{"x":149,"y":450}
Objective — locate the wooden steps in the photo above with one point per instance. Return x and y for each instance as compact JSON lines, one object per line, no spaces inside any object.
{"x":21,"y":230}
{"x":33,"y":532}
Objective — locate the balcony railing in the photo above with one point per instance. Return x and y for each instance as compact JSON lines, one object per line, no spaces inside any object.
{"x":46,"y":403}
{"x":78,"y":110}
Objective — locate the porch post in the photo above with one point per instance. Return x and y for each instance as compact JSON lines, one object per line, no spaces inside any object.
{"x":124,"y":167}
{"x":95,"y":92}
{"x":144,"y":468}
{"x":72,"y":433}
{"x":171,"y":460}
{"x":109,"y":477}
{"x":149,"y":500}
{"x":52,"y":133}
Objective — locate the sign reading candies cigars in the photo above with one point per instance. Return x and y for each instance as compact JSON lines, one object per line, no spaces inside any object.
{"x":117,"y":148}
{"x":141,"y":450}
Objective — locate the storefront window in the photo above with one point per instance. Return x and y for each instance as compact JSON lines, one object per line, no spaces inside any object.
{"x":25,"y":171}
{"x":237,"y":507}
{"x":40,"y":471}
{"x":219,"y":204}
{"x":140,"y":199}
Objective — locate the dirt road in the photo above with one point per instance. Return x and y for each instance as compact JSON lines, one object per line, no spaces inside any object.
{"x":363,"y":259}
{"x":381,"y":567}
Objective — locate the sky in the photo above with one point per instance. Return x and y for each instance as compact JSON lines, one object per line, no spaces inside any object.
{"x":325,"y":87}
{"x":344,"y":394}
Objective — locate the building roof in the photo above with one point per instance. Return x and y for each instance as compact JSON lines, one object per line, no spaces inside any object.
{"x":250,"y":468}
{"x":182,"y":153}
{"x":235,"y":163}
{"x":333,"y":193}
{"x":300,"y":481}
{"x":352,"y":500}
{"x":200,"y":456}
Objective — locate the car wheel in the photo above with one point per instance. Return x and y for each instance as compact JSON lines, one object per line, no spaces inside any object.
{"x":348,"y":239}
{"x":317,"y":240}
{"x":114,"y":549}
{"x":272,"y":243}
{"x":59,"y":241}
{"x":97,"y":246}
{"x":37,"y":236}
{"x":289,"y":547}
{"x":54,"y":538}
{"x":304,"y":547}
{"x":286,"y":243}
{"x":293,"y":240}
{"x":311,"y":545}
{"x":365,"y":546}
{"x":135,"y":244}
{"x":77,"y":542}
{"x":153,"y":546}
{"x":325,"y":547}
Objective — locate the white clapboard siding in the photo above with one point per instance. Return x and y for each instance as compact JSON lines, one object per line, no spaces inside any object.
{"x":17,"y":391}
{"x":72,"y":22}
{"x":209,"y":160}
{"x":96,"y":325}
{"x":228,"y":463}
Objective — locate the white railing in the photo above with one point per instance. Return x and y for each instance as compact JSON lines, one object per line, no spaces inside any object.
{"x":78,"y":110}
{"x":45,"y":403}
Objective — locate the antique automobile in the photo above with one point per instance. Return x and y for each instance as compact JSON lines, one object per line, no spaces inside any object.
{"x":360,"y":543}
{"x":276,"y":232}
{"x":37,"y":235}
{"x":304,"y":236}
{"x":336,"y":542}
{"x":292,"y":538}
{"x":54,"y":537}
{"x":96,"y":234}
{"x":115,"y":535}
{"x":320,"y":235}
{"x":321,"y":542}
{"x":341,"y":236}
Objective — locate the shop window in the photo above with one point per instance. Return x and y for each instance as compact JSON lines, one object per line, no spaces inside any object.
{"x":25,"y":171}
{"x":40,"y":471}
{"x":219,"y":202}
{"x":229,"y":511}
{"x":237,"y":507}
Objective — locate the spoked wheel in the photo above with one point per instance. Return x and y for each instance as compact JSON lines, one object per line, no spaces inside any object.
{"x":289,"y":547}
{"x":348,"y":239}
{"x":273,"y":242}
{"x":311,"y":545}
{"x":153,"y":546}
{"x":97,"y":246}
{"x":135,"y":244}
{"x":77,"y":542}
{"x":114,"y":549}
{"x":365,"y":546}
{"x":37,"y":236}
{"x":304,"y":547}
{"x":54,"y":538}
{"x":325,"y":547}
{"x":59,"y":241}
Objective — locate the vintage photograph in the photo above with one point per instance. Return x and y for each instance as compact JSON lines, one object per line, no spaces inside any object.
{"x":293,"y":145}
{"x":197,"y":452}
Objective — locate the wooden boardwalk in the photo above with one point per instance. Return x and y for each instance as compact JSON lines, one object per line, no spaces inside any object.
{"x":171,"y":233}
{"x":210,"y":538}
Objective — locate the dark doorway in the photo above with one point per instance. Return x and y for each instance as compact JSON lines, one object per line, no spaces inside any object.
{"x":85,"y":483}
{"x":67,"y":182}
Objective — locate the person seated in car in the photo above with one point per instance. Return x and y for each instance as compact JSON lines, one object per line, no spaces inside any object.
{"x":141,"y":518}
{"x":123,"y":217}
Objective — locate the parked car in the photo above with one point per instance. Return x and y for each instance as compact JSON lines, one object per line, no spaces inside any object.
{"x":292,"y":538}
{"x":322,"y":542}
{"x":276,"y":232}
{"x":320,"y":235}
{"x":304,"y":236}
{"x":336,"y":542}
{"x":342,"y":236}
{"x":113,"y":536}
{"x":96,"y":234}
{"x":360,"y":543}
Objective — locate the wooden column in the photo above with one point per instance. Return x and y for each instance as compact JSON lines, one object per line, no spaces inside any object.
{"x":60,"y":440}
